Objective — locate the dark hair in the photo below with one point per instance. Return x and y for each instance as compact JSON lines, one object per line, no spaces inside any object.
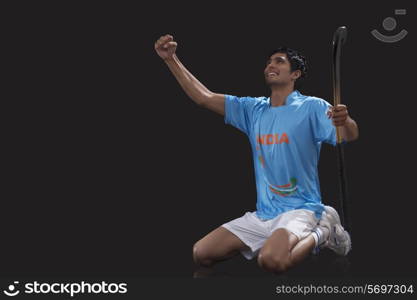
{"x":297,"y":62}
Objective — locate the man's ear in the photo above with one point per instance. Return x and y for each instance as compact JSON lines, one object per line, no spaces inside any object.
{"x":296,"y":74}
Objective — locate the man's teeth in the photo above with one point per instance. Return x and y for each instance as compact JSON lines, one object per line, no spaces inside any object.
{"x":270,"y":74}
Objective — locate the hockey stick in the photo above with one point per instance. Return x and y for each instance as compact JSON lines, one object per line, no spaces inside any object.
{"x":339,"y":38}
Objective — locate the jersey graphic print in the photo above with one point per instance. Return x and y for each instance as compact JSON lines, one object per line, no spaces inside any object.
{"x":286,"y":189}
{"x":271,"y":139}
{"x":276,"y":139}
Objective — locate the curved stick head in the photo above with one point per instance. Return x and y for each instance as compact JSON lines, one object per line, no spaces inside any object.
{"x":340,"y":35}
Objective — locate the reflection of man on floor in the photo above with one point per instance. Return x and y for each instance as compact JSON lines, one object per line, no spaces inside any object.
{"x":286,"y":131}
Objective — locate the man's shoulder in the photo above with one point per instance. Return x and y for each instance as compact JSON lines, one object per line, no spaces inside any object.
{"x":257,"y":99}
{"x":312,"y":100}
{"x":309,"y":98}
{"x":261,"y":100}
{"x":250,"y":99}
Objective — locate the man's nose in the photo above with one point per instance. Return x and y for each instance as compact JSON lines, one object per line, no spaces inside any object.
{"x":271,"y":64}
{"x":269,"y":67}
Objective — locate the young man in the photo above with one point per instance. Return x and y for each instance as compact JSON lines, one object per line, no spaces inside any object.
{"x":286,"y":131}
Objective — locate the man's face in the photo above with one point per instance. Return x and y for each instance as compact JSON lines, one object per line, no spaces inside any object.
{"x":278,"y":70}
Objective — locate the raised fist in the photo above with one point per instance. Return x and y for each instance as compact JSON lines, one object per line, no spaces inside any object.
{"x":165,"y":46}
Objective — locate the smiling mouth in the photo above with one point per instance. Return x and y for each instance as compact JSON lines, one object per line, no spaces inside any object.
{"x":272,"y":74}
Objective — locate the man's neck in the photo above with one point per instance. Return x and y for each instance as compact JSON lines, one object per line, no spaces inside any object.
{"x":280,"y":94}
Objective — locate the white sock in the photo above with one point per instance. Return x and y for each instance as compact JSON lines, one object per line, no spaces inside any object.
{"x":320,"y":235}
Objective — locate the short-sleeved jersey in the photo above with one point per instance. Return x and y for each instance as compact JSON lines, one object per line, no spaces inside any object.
{"x":286,"y":142}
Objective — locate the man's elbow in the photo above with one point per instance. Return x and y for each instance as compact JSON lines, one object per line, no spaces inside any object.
{"x":203,"y":100}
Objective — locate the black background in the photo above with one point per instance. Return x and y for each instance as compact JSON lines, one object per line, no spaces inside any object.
{"x":110,"y":170}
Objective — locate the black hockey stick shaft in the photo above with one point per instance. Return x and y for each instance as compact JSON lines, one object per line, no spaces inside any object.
{"x":339,"y":38}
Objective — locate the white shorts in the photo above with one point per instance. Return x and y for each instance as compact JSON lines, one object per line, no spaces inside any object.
{"x":254,"y":231}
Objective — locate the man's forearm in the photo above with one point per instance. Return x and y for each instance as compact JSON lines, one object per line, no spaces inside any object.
{"x":192,"y":87}
{"x":349,"y":131}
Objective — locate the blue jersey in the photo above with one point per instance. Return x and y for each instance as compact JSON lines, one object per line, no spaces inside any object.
{"x":286,"y":142}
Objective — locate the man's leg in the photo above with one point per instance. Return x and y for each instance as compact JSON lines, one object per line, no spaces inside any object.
{"x":218,"y":245}
{"x":283,"y":250}
{"x":302,"y":249}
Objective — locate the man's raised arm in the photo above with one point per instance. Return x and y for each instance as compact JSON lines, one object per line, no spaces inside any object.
{"x":165,"y":46}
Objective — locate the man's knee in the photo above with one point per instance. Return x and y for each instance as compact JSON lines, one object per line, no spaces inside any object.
{"x":201,"y":255}
{"x":273,"y":263}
